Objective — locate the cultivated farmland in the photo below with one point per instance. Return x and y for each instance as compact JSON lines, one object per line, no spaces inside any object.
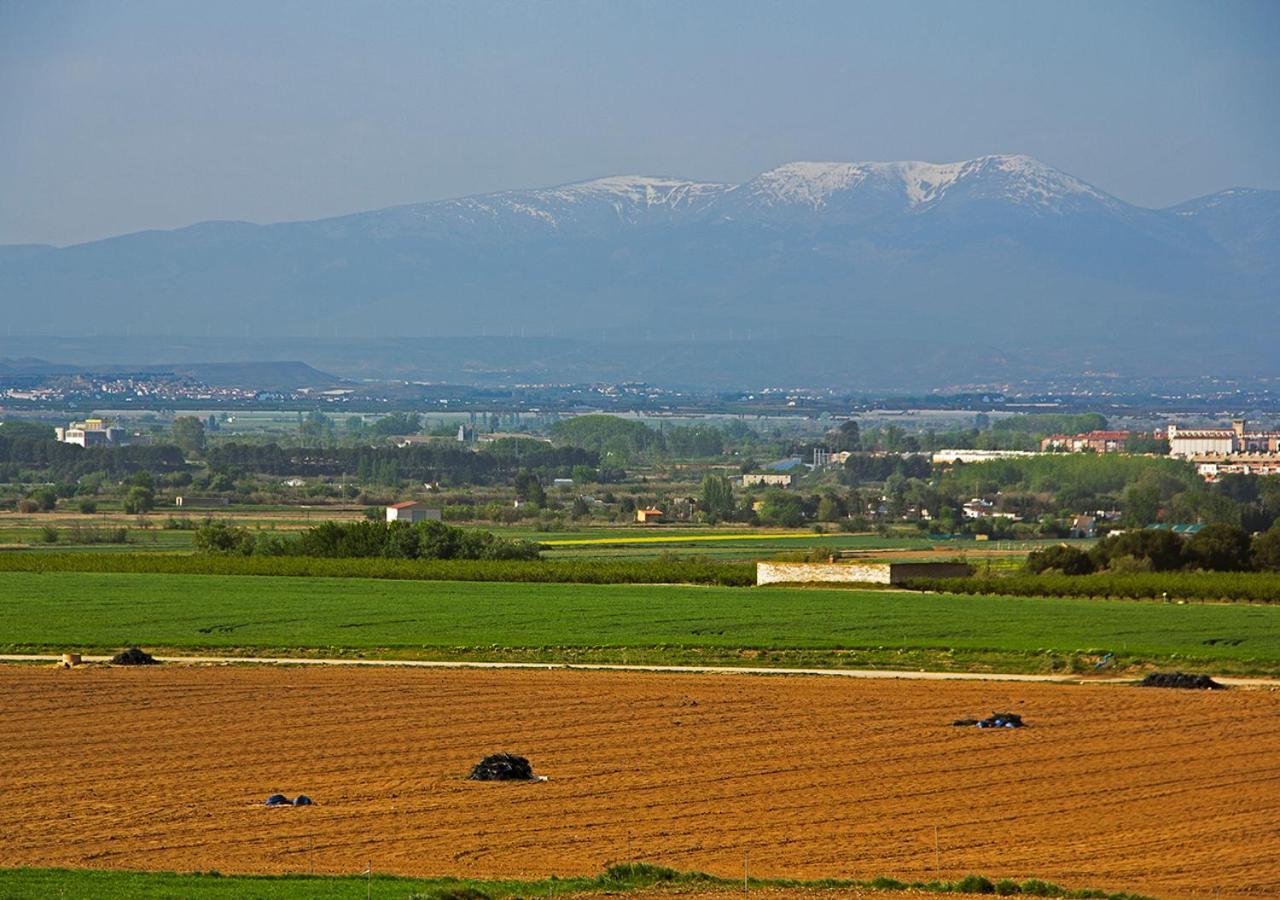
{"x":1169,"y":793}
{"x":60,"y":611}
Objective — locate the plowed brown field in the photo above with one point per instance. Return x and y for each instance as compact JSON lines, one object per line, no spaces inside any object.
{"x":1165,"y":792}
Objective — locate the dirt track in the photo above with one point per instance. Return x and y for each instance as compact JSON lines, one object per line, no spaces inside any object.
{"x":1165,"y":792}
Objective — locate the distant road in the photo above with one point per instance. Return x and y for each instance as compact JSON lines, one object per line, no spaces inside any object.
{"x":611,"y":667}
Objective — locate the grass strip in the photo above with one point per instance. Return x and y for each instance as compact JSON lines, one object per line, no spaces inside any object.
{"x":728,"y":574}
{"x":1255,"y":587}
{"x":658,"y":624}
{"x":624,"y":877}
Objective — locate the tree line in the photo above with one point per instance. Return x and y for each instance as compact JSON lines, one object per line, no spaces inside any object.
{"x":388,"y":465}
{"x":1214,"y":548}
{"x":354,"y":540}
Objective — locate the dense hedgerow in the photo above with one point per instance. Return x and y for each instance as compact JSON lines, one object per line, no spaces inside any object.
{"x":349,"y":540}
{"x":727,"y":574}
{"x":1253,"y":586}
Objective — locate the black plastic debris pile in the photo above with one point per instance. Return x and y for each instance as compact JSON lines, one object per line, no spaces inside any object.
{"x":134,"y":657}
{"x":502,"y":767}
{"x":282,"y":800}
{"x":1181,"y":680}
{"x":995,"y":720}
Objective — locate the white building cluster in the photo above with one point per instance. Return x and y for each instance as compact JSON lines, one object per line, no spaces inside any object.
{"x":91,"y":433}
{"x":1225,"y":451}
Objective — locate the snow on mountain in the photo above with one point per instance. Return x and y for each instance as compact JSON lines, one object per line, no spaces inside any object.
{"x":846,"y":192}
{"x":1017,"y":179}
{"x":602,"y":203}
{"x":905,"y":248}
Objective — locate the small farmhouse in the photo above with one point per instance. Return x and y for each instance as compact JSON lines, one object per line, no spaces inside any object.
{"x":410,"y":511}
{"x":648,"y":516}
{"x":1084,"y":527}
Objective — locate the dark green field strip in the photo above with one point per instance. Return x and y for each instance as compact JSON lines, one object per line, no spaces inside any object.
{"x":444,"y":619}
{"x":622,"y":878}
{"x":549,"y":571}
{"x":1257,"y":587}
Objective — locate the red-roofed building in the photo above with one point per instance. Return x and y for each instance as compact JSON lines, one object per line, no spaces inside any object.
{"x":1088,"y":442}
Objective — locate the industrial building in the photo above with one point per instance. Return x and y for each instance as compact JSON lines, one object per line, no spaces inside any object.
{"x":769,"y":479}
{"x":91,"y":433}
{"x":1189,"y":443}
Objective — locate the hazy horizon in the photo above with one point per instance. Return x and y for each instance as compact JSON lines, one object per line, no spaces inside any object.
{"x":126,"y":117}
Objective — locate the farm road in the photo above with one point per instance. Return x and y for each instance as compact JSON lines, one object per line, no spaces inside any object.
{"x":619,"y":667}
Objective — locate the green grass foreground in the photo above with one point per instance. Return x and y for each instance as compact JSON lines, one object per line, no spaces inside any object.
{"x":59,"y":611}
{"x":109,"y":885}
{"x":1253,"y":587}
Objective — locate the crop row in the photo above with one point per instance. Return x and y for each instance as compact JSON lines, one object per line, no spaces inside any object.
{"x":728,"y":574}
{"x":1251,"y":586}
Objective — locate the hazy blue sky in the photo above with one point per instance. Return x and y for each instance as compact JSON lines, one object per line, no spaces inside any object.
{"x":120,"y":116}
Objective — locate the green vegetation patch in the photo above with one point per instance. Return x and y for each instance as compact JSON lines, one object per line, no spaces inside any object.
{"x":544,"y":571}
{"x":625,"y":877}
{"x":454,"y":620}
{"x":1259,"y":587}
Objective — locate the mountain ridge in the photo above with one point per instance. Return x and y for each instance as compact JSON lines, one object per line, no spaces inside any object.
{"x":1001,"y":250}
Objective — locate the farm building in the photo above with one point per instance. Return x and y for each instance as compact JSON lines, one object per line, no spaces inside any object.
{"x":91,"y":433}
{"x":410,"y":511}
{"x":188,"y":501}
{"x":1084,"y":527}
{"x":648,"y":516}
{"x":769,"y":479}
{"x":857,"y":572}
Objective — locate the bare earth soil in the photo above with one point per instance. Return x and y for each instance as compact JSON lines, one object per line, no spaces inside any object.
{"x":1171,"y":793}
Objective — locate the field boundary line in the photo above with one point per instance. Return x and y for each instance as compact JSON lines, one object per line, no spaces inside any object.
{"x":882,"y":674}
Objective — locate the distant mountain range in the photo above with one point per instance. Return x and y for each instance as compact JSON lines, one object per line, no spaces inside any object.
{"x":1000,"y":254}
{"x":257,"y":375}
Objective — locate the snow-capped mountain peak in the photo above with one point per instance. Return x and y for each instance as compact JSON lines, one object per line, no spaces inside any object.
{"x":634,"y":190}
{"x":1021,"y":179}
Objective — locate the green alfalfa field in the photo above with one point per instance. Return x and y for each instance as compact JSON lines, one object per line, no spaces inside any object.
{"x":676,"y":624}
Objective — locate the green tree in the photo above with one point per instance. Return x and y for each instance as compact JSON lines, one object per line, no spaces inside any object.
{"x":850,"y":436}
{"x":25,"y":428}
{"x":829,"y":509}
{"x":717,"y":498}
{"x":1064,"y":559}
{"x":1266,"y":550}
{"x":139,"y":500}
{"x":316,"y":426}
{"x":1220,"y":548}
{"x":45,"y":498}
{"x":781,"y":508}
{"x":188,"y":433}
{"x":223,"y":539}
{"x":1141,"y":504}
{"x":397,"y":424}
{"x":612,"y":437}
{"x":1164,"y":550}
{"x":529,"y":488}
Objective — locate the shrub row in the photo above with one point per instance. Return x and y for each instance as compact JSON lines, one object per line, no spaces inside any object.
{"x":729,"y":574}
{"x":1254,"y":586}
{"x":346,"y":540}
